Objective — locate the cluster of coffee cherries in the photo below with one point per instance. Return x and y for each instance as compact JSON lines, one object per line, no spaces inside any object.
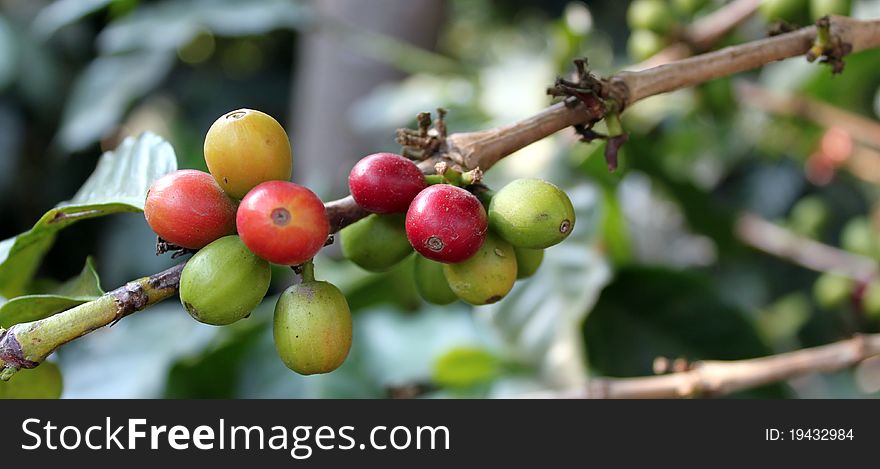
{"x":241,"y":217}
{"x":245,"y":214}
{"x":471,"y":243}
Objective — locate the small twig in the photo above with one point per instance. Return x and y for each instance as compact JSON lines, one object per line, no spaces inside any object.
{"x":26,"y":345}
{"x":719,"y":378}
{"x":425,"y":141}
{"x":862,"y":129}
{"x":780,"y":242}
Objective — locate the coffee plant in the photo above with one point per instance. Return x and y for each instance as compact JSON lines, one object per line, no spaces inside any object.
{"x":430,"y":223}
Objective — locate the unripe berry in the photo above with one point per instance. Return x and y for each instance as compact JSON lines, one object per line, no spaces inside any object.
{"x":312,"y":327}
{"x":246,"y":147}
{"x":531,"y":213}
{"x":189,"y":209}
{"x":527,"y":261}
{"x":487,"y":276}
{"x":832,"y":290}
{"x":652,"y":15}
{"x":820,"y":8}
{"x":431,"y":282}
{"x":792,"y":11}
{"x":859,"y":236}
{"x":808,"y":216}
{"x":283,"y":222}
{"x":377,"y":242}
{"x":871,"y":299}
{"x":223,"y":282}
{"x":688,"y":7}
{"x":446,"y":223}
{"x":642,"y":44}
{"x":385,"y":183}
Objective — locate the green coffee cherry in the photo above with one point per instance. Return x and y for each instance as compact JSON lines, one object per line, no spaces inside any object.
{"x":791,"y":11}
{"x":820,"y":8}
{"x":808,"y":216}
{"x":527,"y":261}
{"x":832,"y":290}
{"x":643,"y":44}
{"x":653,"y":15}
{"x":871,"y":299}
{"x":312,"y":327}
{"x":487,"y":276}
{"x":431,"y":283}
{"x":377,"y":242}
{"x":42,"y":382}
{"x":858,"y":236}
{"x":531,"y":213}
{"x":688,"y":7}
{"x":223,"y":282}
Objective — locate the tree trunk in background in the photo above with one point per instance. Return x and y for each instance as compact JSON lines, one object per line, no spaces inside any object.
{"x":331,"y":77}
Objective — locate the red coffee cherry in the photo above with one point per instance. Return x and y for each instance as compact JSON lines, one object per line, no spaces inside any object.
{"x":446,"y":223}
{"x":188,"y":208}
{"x":385,"y":183}
{"x":282,"y":222}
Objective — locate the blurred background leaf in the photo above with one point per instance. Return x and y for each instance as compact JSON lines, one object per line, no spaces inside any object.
{"x":52,"y":299}
{"x":118,"y":184}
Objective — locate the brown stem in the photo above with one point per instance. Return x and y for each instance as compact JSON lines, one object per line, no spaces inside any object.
{"x":717,"y":378}
{"x":862,"y":129}
{"x":772,"y":239}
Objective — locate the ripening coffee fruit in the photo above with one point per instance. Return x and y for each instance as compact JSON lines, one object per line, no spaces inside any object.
{"x":832,"y":290}
{"x":820,"y":8}
{"x":312,"y":327}
{"x":531,"y":213}
{"x":528,"y":261}
{"x":42,"y":382}
{"x":283,"y":222}
{"x":431,"y":282}
{"x":377,"y":242}
{"x":652,"y":15}
{"x":446,"y":223}
{"x":688,"y":7}
{"x":189,"y":209}
{"x":808,"y":216}
{"x":487,"y":276}
{"x":385,"y":183}
{"x":859,"y":236}
{"x":871,"y":299}
{"x":246,"y":147}
{"x":223,"y":282}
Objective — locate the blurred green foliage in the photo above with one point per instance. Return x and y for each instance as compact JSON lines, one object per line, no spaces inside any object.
{"x":653,"y":267}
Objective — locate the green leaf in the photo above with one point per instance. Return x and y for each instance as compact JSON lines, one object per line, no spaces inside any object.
{"x":165,"y":26}
{"x":463,"y":367}
{"x":118,"y":184}
{"x":42,"y":382}
{"x":80,"y":289}
{"x":62,"y":13}
{"x":652,"y":312}
{"x":196,"y":375}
